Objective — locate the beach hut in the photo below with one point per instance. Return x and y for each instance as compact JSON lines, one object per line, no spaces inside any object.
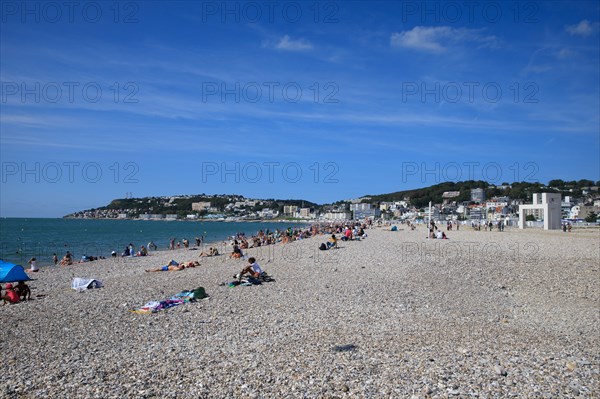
{"x":9,"y":273}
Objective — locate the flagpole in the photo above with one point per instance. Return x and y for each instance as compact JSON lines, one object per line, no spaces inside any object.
{"x":429,"y":223}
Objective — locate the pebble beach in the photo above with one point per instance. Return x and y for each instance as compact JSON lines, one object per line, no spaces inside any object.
{"x":481,"y":315}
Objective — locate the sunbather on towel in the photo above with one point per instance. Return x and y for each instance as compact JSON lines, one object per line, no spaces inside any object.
{"x":191,"y":264}
{"x":171,"y":267}
{"x":211,"y":252}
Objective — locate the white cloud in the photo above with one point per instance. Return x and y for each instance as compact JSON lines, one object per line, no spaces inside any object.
{"x":584,"y":28}
{"x":565,"y":53}
{"x":286,"y":43}
{"x":438,"y":39}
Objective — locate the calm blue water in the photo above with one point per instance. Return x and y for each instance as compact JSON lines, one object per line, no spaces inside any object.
{"x":21,"y":239}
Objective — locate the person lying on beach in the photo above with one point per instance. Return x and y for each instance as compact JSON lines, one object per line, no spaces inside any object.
{"x":171,"y":267}
{"x":191,"y":264}
{"x":23,"y":291}
{"x":211,"y":252}
{"x":11,"y":296}
{"x":252,"y":269}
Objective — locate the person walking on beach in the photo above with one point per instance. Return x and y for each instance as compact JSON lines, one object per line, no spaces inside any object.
{"x":172,"y":244}
{"x":55,"y":259}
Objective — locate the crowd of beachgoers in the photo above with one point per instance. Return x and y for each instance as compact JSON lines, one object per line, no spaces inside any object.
{"x":233,"y":247}
{"x":391,"y":312}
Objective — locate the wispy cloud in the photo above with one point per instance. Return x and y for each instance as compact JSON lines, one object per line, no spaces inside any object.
{"x":439,"y":39}
{"x":584,"y":28}
{"x":565,"y":53}
{"x":286,"y":43}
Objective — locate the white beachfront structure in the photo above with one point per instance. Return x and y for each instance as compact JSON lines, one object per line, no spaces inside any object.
{"x":549,"y":204}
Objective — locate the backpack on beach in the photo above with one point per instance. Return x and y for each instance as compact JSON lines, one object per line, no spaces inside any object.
{"x":199,"y":293}
{"x":323,"y":247}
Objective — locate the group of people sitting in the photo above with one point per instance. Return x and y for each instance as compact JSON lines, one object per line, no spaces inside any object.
{"x":130,"y":251}
{"x":15,"y":294}
{"x":436,"y":233}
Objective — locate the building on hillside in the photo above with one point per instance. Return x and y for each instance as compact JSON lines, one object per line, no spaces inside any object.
{"x":583,"y":211}
{"x":476,"y":213}
{"x":364,"y":206}
{"x":478,"y":195}
{"x":200,"y":206}
{"x":372,"y":213}
{"x":304,"y":212}
{"x":449,"y":196}
{"x":290,"y":210}
{"x":337,"y":215}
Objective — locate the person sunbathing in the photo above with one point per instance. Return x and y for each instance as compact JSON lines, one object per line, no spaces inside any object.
{"x":171,"y":267}
{"x":191,"y":263}
{"x":211,"y":252}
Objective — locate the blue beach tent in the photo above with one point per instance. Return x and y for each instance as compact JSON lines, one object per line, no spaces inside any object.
{"x":9,"y":273}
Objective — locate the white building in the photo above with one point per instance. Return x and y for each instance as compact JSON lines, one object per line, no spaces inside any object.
{"x":290,"y":209}
{"x":304,"y":212}
{"x":549,"y":204}
{"x":338,"y":215}
{"x":360,"y":207}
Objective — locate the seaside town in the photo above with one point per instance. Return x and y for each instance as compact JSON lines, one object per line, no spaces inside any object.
{"x":579,"y":203}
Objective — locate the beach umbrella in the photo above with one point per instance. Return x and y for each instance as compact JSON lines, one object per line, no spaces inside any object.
{"x":10,"y":273}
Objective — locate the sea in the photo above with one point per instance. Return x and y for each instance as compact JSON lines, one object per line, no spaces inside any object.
{"x":24,"y":238}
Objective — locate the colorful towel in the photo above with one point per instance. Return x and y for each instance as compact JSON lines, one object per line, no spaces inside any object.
{"x":157,"y":306}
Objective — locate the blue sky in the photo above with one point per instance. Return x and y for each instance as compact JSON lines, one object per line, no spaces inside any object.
{"x":315,"y":100}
